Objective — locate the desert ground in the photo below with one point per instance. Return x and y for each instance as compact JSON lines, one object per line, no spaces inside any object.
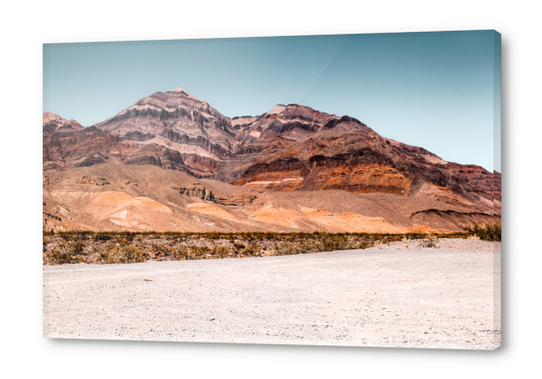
{"x":396,"y":295}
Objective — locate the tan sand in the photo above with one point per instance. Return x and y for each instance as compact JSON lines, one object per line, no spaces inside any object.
{"x":384,"y":296}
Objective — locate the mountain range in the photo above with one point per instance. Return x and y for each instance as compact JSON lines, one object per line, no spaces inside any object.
{"x":173,"y":162}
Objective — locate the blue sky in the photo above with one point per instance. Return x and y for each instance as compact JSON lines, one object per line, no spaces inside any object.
{"x":437,"y":90}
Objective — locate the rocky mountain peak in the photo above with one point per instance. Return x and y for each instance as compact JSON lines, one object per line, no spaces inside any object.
{"x":47,"y":116}
{"x":181,"y":92}
{"x":54,"y":123}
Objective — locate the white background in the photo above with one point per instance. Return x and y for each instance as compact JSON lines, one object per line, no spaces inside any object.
{"x":25,"y":26}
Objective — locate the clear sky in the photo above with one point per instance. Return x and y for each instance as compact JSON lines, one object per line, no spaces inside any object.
{"x":440,"y":90}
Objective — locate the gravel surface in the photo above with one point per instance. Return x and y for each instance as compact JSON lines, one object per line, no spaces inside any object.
{"x":457,"y":244}
{"x":391,"y":295}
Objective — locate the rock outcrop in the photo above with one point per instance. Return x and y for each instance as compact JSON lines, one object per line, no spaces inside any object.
{"x":54,"y":123}
{"x":208,"y":195}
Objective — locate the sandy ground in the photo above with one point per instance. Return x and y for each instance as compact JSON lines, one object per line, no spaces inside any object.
{"x":395,"y":296}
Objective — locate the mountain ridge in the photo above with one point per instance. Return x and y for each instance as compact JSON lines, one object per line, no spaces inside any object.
{"x":290,"y":148}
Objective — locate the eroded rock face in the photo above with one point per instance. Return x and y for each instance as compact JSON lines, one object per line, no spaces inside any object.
{"x":178,"y":122}
{"x":261,"y":138}
{"x":206,"y":194}
{"x":479,"y":180}
{"x":54,"y":123}
{"x":358,"y":161}
{"x":66,"y":144}
{"x":450,"y":219}
{"x":66,"y":148}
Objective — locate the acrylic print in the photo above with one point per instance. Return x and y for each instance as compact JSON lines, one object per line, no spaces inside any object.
{"x":311,"y":190}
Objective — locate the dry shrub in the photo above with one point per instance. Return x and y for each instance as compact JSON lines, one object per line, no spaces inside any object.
{"x":67,"y":252}
{"x":182,"y":254}
{"x":124,"y":254}
{"x":58,"y":257}
{"x":486,"y":232}
{"x":102,"y":236}
{"x":165,"y":250}
{"x":332,"y":242}
{"x":252,"y":250}
{"x":220,"y":252}
{"x":127,"y":247}
{"x":199,"y":251}
{"x":292,"y":248}
{"x":429,"y":242}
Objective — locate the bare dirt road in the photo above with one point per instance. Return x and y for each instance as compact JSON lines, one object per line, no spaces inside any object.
{"x":393,"y":296}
